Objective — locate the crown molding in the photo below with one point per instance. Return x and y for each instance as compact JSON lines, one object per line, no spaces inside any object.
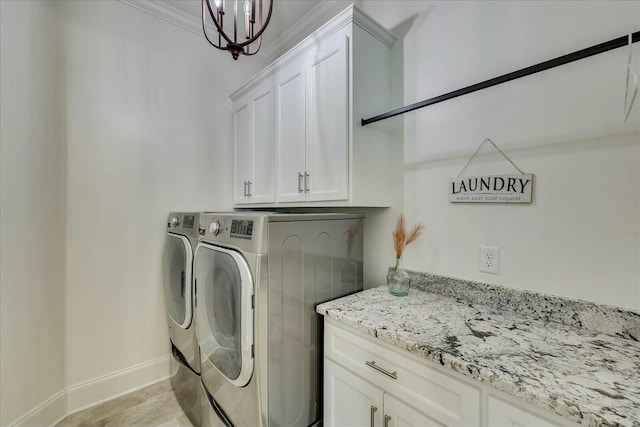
{"x":349,"y":14}
{"x":373,"y":28}
{"x":168,"y":13}
{"x":311,"y":21}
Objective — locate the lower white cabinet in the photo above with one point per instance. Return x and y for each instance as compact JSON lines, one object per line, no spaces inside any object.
{"x":503,"y":414}
{"x":371,"y":383}
{"x":399,"y":414}
{"x":351,"y":401}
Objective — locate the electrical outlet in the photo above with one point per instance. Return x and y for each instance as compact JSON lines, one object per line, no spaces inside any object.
{"x":490,"y":259}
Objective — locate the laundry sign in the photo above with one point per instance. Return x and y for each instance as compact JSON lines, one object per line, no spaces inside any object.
{"x":491,"y":188}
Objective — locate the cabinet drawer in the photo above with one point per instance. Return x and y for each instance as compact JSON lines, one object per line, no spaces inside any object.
{"x":503,"y":414}
{"x":442,"y":397}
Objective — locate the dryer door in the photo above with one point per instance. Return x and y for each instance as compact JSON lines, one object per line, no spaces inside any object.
{"x":178,"y":261}
{"x":224,"y":289}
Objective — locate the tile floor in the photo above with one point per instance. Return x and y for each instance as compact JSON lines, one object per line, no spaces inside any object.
{"x":152,"y":406}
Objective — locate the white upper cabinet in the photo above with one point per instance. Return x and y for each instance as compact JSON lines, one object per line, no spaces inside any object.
{"x":243,"y":149}
{"x":327,"y":155}
{"x":254,"y":149}
{"x":322,"y":88}
{"x":291,"y":132}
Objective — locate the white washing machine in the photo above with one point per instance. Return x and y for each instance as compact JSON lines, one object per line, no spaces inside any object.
{"x":258,"y":278}
{"x":181,"y":241}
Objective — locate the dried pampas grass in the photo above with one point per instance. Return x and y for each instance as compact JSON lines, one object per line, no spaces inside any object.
{"x":400,"y":236}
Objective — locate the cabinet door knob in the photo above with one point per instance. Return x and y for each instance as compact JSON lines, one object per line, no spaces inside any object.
{"x":300,"y":178}
{"x":372,"y":364}
{"x":373,"y":411}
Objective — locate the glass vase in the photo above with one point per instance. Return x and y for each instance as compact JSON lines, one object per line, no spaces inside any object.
{"x":398,"y":280}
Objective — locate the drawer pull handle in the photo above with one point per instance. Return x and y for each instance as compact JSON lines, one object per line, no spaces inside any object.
{"x":373,"y":411}
{"x":387,"y":418}
{"x":372,"y":364}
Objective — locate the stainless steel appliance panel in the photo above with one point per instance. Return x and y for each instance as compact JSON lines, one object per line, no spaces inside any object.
{"x":186,"y":387}
{"x":296,"y":261}
{"x":181,"y":240}
{"x":180,"y":243}
{"x":309,"y":262}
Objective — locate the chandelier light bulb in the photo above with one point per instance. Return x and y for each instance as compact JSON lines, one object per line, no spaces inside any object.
{"x":247,"y":20}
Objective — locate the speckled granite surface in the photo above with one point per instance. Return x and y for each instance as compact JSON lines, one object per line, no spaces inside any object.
{"x":588,"y":376}
{"x":582,"y":314}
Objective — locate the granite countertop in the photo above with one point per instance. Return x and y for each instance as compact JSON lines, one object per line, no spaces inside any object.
{"x":588,"y":376}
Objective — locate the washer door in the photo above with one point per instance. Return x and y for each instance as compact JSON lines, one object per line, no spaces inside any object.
{"x":178,"y":261}
{"x":224,"y":289}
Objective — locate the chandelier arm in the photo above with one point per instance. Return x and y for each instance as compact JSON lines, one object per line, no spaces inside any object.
{"x":248,"y":52}
{"x":257,"y":49}
{"x":218,"y":27}
{"x":262,"y":28}
{"x":204,"y":29}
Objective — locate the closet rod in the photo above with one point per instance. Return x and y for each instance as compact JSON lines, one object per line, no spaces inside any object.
{"x":561,"y":60}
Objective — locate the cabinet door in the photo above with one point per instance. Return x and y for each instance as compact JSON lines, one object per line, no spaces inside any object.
{"x":327,"y":155}
{"x":243,"y":152}
{"x":502,"y":414}
{"x":290,"y":131}
{"x":399,"y":414}
{"x":350,"y":401}
{"x":262,"y":183}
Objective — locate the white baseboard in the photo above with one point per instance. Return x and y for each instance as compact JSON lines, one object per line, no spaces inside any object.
{"x":89,"y":393}
{"x":47,"y":413}
{"x":98,"y":390}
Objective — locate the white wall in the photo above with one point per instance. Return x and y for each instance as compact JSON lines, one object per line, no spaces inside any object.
{"x":111,"y":118}
{"x":149,"y":131}
{"x":32,"y":209}
{"x":581,"y":235}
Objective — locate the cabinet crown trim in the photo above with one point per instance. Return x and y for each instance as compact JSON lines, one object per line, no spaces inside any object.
{"x":349,"y":15}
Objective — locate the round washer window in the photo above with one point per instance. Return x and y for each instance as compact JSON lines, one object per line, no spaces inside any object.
{"x":224,"y":311}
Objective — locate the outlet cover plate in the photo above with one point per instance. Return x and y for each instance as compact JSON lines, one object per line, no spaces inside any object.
{"x":490,"y":259}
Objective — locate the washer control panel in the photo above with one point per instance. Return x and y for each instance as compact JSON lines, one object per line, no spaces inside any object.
{"x":183,"y":223}
{"x":238,"y":230}
{"x":242,"y":228}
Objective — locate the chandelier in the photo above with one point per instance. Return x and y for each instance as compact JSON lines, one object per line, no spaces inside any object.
{"x":238,"y":41}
